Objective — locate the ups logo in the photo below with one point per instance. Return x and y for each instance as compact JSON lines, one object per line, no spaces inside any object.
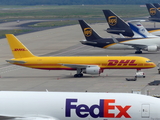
{"x":152,"y":11}
{"x":112,"y":20}
{"x":158,"y":8}
{"x":87,"y":32}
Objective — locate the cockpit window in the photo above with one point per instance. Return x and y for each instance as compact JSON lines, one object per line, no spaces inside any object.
{"x":148,"y":61}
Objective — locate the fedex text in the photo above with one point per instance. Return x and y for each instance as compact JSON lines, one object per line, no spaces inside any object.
{"x":103,"y":108}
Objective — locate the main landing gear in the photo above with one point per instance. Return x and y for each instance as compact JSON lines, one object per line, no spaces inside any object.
{"x":138,"y":51}
{"x":79,"y":73}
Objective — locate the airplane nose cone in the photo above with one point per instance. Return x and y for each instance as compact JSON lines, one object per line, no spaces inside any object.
{"x":154,"y":65}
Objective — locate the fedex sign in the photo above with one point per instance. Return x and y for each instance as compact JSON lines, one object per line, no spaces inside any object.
{"x":103,"y":108}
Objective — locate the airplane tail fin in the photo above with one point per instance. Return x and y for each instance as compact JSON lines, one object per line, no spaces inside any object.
{"x":139,"y":30}
{"x":17,"y":48}
{"x":116,"y":24}
{"x":157,"y":5}
{"x":88,"y":32}
{"x":153,"y":11}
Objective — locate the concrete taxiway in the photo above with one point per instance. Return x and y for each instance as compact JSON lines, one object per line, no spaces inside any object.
{"x":64,"y":41}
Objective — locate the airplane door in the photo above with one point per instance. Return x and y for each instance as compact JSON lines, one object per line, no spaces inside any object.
{"x":145,"y":110}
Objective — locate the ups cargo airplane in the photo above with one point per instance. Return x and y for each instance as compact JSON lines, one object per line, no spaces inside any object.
{"x":82,"y":64}
{"x":77,"y":106}
{"x":151,"y":44}
{"x":119,"y":26}
{"x":154,"y":13}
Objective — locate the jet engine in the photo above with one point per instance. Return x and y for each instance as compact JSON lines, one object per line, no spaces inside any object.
{"x":152,"y":48}
{"x":92,"y":70}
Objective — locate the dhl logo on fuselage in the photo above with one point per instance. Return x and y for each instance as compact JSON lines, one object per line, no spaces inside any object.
{"x":152,"y":11}
{"x":19,"y":49}
{"x":112,"y":20}
{"x":121,"y":63}
{"x":87,"y":32}
{"x":104,"y":109}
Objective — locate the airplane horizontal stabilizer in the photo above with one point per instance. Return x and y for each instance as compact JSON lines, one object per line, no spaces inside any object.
{"x":16,"y":61}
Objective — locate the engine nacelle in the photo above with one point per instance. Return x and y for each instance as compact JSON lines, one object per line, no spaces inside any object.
{"x":92,"y":70}
{"x":152,"y":48}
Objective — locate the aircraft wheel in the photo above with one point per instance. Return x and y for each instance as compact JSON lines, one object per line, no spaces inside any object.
{"x":81,"y":75}
{"x":78,"y":75}
{"x":138,"y":52}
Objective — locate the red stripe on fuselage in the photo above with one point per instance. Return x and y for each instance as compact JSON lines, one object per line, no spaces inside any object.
{"x":68,"y":68}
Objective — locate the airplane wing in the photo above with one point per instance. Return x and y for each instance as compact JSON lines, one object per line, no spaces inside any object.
{"x":133,"y":45}
{"x":16,"y":61}
{"x":77,"y":66}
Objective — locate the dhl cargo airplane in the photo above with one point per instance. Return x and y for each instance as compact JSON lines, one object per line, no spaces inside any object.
{"x":151,"y":44}
{"x":154,"y":13}
{"x":83,"y":64}
{"x":77,"y":106}
{"x":119,"y":26}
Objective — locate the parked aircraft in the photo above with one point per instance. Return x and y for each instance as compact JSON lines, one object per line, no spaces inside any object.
{"x":140,"y":31}
{"x":77,"y":106}
{"x":119,"y":26}
{"x":116,"y":24}
{"x":93,"y":39}
{"x":82,"y":64}
{"x":154,"y":13}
